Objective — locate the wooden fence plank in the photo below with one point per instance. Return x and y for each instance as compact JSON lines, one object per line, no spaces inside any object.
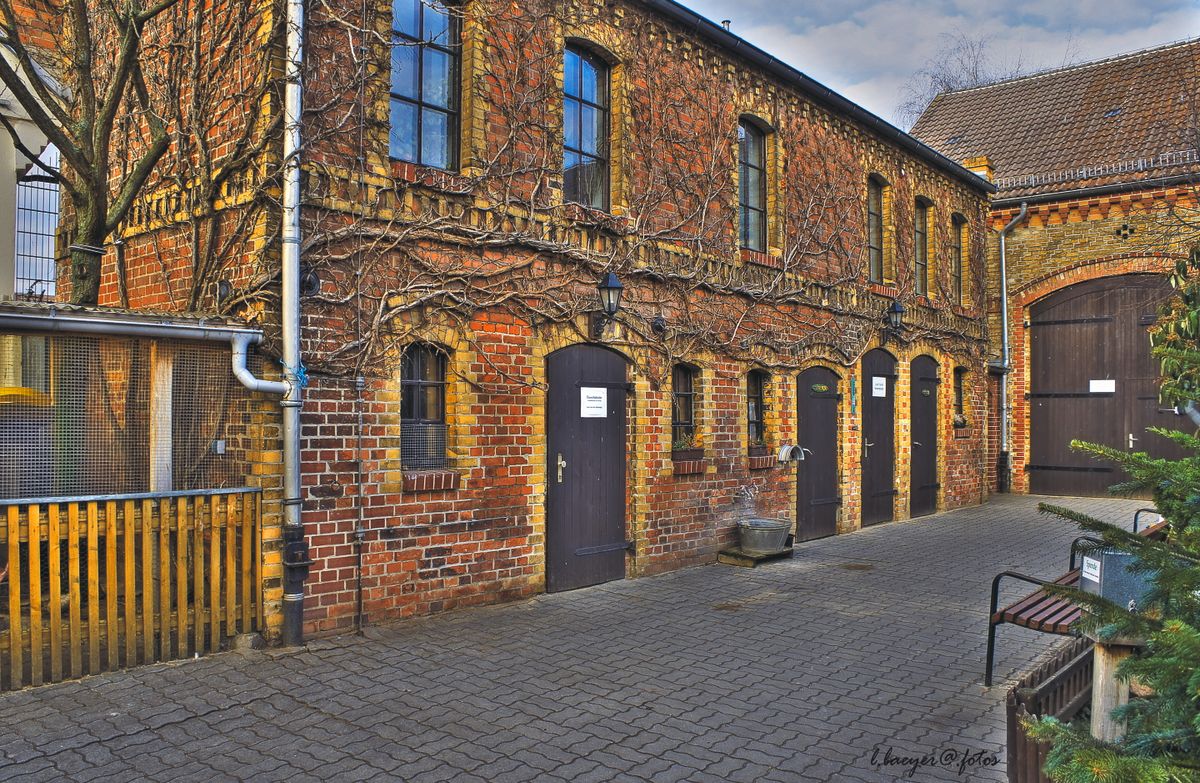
{"x":16,"y":646}
{"x":112,"y":649}
{"x":230,"y":565}
{"x":247,"y":549}
{"x":164,"y":581}
{"x":129,"y":583}
{"x":34,"y":518}
{"x":148,"y":580}
{"x":214,"y":574}
{"x":54,"y":608}
{"x":93,"y":575}
{"x":75,"y":588}
{"x":181,"y":577}
{"x":198,"y":619}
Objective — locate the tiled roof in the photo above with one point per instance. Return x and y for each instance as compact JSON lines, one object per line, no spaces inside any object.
{"x":1121,"y":120}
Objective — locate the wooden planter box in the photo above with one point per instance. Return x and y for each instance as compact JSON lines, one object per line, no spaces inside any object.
{"x":687,"y":455}
{"x":758,"y":451}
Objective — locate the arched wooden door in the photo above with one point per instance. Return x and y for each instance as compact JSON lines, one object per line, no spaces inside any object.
{"x":878,"y":436}
{"x":585,"y":467}
{"x":818,"y":493}
{"x":1092,"y":378}
{"x":923,"y":473}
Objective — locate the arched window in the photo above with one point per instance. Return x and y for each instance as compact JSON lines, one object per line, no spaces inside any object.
{"x":752,"y":186}
{"x":684,"y":380}
{"x":958,"y":250}
{"x":423,"y":407}
{"x":921,"y":245}
{"x":424,"y":91}
{"x":756,"y":386}
{"x":875,"y":266}
{"x":585,"y":128}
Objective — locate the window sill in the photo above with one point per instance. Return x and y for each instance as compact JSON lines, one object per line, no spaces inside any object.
{"x":689,"y":467}
{"x":762,"y":463}
{"x":599,"y":218}
{"x":442,"y":179}
{"x":430,"y":480}
{"x":884,"y":289}
{"x":762,"y":259}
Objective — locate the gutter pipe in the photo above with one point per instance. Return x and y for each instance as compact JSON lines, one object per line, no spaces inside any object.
{"x":295,"y":548}
{"x":1005,"y":466}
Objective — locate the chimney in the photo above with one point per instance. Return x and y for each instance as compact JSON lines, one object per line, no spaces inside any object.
{"x":982,"y":166}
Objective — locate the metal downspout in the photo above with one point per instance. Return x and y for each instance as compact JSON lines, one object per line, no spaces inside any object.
{"x":295,"y":548}
{"x":1005,"y":467}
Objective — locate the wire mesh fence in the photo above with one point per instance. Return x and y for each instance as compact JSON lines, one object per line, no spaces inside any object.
{"x":84,"y":415}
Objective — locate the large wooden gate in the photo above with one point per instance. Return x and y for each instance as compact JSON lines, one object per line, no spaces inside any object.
{"x":817,"y":489}
{"x":879,"y":437}
{"x":1092,"y":378}
{"x":923,"y":492}
{"x":94,"y":584}
{"x":585,"y":467}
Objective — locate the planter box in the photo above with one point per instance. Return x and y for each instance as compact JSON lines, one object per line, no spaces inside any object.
{"x":758,"y":451}
{"x":687,"y":455}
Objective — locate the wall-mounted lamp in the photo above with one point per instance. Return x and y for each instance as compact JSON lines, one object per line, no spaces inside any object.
{"x":610,"y":289}
{"x":659,"y":325}
{"x":893,"y":321}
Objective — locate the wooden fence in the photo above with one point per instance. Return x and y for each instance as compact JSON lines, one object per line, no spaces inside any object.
{"x":109,"y":582}
{"x":1061,"y":686}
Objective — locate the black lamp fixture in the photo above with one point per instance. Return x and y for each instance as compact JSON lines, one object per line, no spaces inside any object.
{"x":610,"y":289}
{"x":893,"y":321}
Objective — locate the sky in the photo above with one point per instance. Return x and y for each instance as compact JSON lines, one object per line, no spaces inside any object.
{"x":869,"y":49}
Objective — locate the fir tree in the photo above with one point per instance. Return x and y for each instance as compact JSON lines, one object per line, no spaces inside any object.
{"x":1162,"y":740}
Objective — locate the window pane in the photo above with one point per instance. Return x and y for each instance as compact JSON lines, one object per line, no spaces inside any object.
{"x":431,"y":402}
{"x":437,"y":142}
{"x":437,"y":23}
{"x":752,"y":145}
{"x":682,"y":409}
{"x":592,"y":131}
{"x":406,"y":16}
{"x":591,"y":75}
{"x":571,"y":184}
{"x":753,"y":238}
{"x":594,"y":181}
{"x":571,"y":123}
{"x":404,"y":70}
{"x":437,"y":77}
{"x":571,"y":73}
{"x":402,"y":141}
{"x":752,"y":194}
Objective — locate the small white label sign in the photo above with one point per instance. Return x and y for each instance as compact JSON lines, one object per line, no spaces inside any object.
{"x":593,"y":402}
{"x":1102,"y":386}
{"x":878,"y":386}
{"x":1091,"y":569}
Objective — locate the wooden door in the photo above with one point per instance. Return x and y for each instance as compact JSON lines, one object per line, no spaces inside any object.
{"x":1092,"y":378}
{"x":923,"y":472}
{"x":817,"y":489}
{"x":585,"y":467}
{"x":879,"y":436}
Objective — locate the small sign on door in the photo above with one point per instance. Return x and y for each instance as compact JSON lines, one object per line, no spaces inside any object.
{"x":878,"y":386}
{"x":593,"y":402}
{"x":1102,"y":386}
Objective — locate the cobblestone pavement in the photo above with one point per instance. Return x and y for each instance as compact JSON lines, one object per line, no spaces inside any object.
{"x":795,"y":671}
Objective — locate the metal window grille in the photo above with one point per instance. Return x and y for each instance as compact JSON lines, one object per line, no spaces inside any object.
{"x":37,"y":225}
{"x":103,"y":415}
{"x":756,"y":382}
{"x":683,"y":411}
{"x":423,"y":407}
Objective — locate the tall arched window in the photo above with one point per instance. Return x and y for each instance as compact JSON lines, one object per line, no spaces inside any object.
{"x":752,"y":186}
{"x":875,"y":268}
{"x":424,"y":91}
{"x":921,"y":246}
{"x":585,"y":128}
{"x":958,"y":251}
{"x":423,"y":407}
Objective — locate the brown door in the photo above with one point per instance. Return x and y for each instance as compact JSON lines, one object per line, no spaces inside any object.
{"x":924,"y":486}
{"x":1092,"y":378}
{"x":817,"y":495}
{"x":879,"y":436}
{"x":585,"y":467}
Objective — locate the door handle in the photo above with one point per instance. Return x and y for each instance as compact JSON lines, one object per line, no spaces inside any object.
{"x":916,"y":443}
{"x":868,"y":444}
{"x":562,"y":463}
{"x":1132,"y":440}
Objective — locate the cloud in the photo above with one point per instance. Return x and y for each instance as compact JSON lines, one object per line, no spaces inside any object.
{"x":869,"y":49}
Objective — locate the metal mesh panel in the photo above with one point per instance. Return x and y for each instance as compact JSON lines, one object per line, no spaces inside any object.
{"x":100,"y":415}
{"x":422,"y":445}
{"x":37,"y":224}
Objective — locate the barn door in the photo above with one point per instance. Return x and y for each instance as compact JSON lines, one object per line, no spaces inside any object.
{"x":924,"y":486}
{"x":817,"y":495}
{"x":1092,"y":378}
{"x":879,"y":436}
{"x":585,"y":467}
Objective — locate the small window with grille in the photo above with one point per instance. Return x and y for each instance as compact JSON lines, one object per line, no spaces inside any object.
{"x":423,"y":408}
{"x":756,"y":385}
{"x":683,"y":407}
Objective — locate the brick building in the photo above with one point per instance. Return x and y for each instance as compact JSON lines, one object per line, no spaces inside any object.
{"x":1097,"y":163}
{"x":475,"y":427}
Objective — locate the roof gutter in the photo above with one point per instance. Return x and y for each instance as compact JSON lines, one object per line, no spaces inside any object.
{"x":734,"y":44}
{"x":1005,"y":468}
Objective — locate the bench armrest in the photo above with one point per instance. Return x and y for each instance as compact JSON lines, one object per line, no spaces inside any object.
{"x":1011,"y":575}
{"x":1137,"y":516}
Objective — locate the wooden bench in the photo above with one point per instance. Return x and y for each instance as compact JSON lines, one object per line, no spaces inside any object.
{"x":1040,"y":610}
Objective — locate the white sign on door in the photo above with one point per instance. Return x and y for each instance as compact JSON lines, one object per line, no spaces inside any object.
{"x":593,"y":402}
{"x":878,"y":386}
{"x":1102,"y":386}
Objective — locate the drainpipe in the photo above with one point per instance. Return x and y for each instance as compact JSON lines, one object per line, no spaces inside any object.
{"x":1005,"y":467}
{"x":295,"y":548}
